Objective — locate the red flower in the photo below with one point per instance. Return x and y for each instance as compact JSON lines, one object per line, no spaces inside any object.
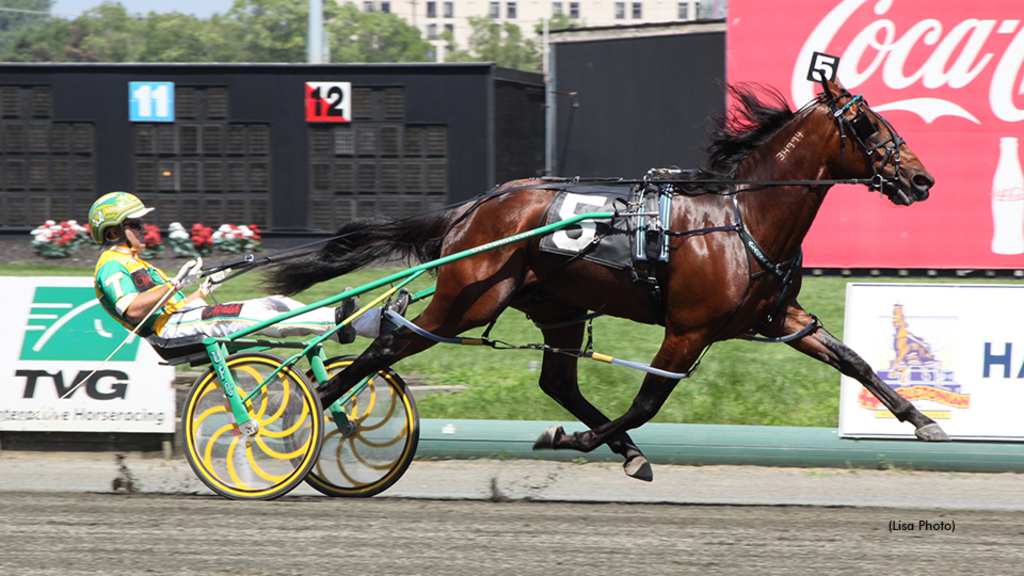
{"x":201,"y":235}
{"x":151,"y":236}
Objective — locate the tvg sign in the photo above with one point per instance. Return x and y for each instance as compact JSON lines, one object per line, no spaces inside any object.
{"x":68,"y":323}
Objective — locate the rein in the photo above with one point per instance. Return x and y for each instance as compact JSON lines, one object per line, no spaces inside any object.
{"x":250,"y":261}
{"x":860,"y":127}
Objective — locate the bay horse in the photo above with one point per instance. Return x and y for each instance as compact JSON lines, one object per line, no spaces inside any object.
{"x":713,"y":287}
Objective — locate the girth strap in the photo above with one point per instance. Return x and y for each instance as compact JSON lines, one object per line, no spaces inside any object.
{"x":780,"y":270}
{"x":786,"y":271}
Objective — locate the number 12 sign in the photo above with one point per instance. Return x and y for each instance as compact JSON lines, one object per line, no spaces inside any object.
{"x":328,"y":101}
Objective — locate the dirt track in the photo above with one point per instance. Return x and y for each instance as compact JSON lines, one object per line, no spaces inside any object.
{"x":116,"y":534}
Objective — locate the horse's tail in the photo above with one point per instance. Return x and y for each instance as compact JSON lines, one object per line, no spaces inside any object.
{"x":360,"y":243}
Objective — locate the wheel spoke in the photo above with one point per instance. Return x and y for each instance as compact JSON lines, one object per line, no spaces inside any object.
{"x":285,"y":446}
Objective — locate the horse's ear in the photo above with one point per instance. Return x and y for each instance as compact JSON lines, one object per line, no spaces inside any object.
{"x":832,"y":88}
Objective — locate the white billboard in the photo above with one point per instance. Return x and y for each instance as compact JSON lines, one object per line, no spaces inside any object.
{"x":955,"y":351}
{"x":55,"y":336}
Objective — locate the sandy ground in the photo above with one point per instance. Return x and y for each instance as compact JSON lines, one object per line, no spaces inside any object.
{"x":60,"y":515}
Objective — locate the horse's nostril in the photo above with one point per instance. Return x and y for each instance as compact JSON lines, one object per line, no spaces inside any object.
{"x":922,"y":181}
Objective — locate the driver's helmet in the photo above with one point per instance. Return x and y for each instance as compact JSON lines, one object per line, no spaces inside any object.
{"x":112,"y":210}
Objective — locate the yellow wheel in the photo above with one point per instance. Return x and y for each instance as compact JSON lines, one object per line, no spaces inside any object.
{"x":378,"y":449}
{"x":278,"y":456}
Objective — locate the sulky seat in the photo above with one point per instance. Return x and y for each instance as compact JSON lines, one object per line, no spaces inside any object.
{"x":186,"y":349}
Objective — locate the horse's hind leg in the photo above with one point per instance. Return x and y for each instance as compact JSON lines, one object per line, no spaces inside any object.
{"x":823,"y":346}
{"x":470,"y":293}
{"x":382,"y":353}
{"x":678,"y":354}
{"x":558,"y":379}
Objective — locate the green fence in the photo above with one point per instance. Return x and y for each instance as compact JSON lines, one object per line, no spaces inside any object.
{"x":705,"y":445}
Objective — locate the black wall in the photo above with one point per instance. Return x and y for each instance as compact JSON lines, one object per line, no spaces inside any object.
{"x":518,"y":128}
{"x":463,"y":98}
{"x":643,"y":102}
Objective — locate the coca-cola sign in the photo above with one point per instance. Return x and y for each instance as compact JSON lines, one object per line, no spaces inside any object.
{"x":949,"y":75}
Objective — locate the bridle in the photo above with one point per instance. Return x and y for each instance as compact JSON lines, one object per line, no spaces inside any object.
{"x":862,"y":129}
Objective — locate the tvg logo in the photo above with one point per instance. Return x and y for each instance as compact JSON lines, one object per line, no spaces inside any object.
{"x":68,"y":323}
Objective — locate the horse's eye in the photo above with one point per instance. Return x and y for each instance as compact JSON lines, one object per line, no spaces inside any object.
{"x":863,"y":126}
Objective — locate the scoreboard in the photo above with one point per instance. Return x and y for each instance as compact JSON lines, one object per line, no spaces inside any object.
{"x":289,"y":148}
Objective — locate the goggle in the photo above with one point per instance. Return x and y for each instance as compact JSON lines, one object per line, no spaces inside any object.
{"x":136,"y":225}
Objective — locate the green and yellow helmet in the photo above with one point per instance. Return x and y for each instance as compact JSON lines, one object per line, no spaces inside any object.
{"x":112,"y":210}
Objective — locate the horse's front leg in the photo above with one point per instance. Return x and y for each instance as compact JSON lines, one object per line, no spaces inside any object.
{"x":559,"y":380}
{"x":822,"y":345}
{"x":677,"y":354}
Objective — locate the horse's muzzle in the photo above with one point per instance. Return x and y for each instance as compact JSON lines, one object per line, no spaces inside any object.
{"x":920,"y":184}
{"x":909,"y":188}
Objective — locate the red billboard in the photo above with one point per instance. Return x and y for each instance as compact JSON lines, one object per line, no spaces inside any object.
{"x":949,"y":76}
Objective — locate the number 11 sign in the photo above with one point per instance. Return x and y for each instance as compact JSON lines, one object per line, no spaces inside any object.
{"x":328,"y":101}
{"x":151,"y":101}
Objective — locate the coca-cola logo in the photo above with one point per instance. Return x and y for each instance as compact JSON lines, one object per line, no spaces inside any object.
{"x":943,"y":56}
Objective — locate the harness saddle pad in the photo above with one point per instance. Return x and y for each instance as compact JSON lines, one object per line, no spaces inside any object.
{"x":609,"y":242}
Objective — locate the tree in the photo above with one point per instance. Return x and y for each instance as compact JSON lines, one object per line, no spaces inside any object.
{"x":502,"y":44}
{"x":175,"y":37}
{"x":251,"y":31}
{"x":11,"y":23}
{"x":560,"y":21}
{"x":107,"y":33}
{"x":104,"y":34}
{"x":358,"y":36}
{"x":271,"y":30}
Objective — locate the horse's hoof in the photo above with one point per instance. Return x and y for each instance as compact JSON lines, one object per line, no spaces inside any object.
{"x":547,"y":438}
{"x":638,"y":467}
{"x":931,"y":433}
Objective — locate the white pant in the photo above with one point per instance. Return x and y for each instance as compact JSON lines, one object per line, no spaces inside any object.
{"x":222,"y":320}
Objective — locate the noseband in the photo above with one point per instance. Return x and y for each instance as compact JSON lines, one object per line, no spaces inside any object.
{"x":862,"y":128}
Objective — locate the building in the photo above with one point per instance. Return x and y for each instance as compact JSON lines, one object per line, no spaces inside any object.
{"x":644,"y":96}
{"x":253,"y":143}
{"x":434,"y":17}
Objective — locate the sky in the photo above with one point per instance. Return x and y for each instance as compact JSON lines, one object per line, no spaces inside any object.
{"x":201,"y":8}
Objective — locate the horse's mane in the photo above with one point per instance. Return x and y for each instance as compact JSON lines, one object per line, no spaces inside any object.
{"x":758,"y":113}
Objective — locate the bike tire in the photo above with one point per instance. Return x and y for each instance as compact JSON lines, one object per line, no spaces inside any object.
{"x":284,"y":449}
{"x":376,"y":456}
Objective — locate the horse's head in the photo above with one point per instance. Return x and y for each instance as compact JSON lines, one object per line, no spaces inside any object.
{"x":871,"y":148}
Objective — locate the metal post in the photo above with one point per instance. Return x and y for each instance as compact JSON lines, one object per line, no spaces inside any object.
{"x":549,"y":103}
{"x":315,"y":37}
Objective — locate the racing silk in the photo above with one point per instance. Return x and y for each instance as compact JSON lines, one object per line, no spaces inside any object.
{"x":120,"y":277}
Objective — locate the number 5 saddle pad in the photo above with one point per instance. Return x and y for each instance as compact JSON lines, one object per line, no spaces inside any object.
{"x":609,"y":242}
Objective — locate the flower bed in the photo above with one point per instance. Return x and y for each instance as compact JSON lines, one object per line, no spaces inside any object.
{"x":59,"y":240}
{"x":185,"y":244}
{"x":53,"y":240}
{"x":237,"y":239}
{"x":151,"y":238}
{"x":201,"y":240}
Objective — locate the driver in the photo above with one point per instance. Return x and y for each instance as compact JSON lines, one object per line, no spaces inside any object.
{"x":128,"y":287}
